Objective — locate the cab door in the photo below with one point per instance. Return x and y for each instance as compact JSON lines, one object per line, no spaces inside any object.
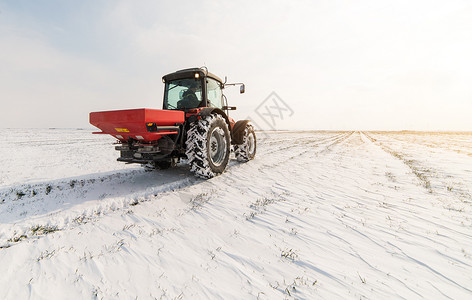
{"x":214,"y":94}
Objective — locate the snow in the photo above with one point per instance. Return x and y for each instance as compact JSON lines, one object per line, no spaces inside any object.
{"x":368,"y":215}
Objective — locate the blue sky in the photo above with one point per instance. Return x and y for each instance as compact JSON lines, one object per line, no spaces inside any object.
{"x":387,"y":65}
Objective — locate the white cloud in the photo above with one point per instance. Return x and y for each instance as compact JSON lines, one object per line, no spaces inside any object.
{"x":43,"y":87}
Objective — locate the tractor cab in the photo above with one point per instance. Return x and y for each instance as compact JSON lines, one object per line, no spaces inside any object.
{"x":194,"y":88}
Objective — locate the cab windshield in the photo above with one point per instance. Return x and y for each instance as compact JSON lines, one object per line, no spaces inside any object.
{"x":183,"y":94}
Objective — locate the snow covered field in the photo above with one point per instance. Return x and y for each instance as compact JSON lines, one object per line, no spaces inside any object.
{"x":369,"y":215}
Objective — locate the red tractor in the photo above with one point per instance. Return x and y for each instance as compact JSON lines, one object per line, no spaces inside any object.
{"x":194,"y":124}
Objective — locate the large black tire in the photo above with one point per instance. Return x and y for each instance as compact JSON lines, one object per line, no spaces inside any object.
{"x":247,"y":150}
{"x":208,"y":146}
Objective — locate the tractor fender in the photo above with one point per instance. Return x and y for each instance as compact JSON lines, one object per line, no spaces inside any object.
{"x":237,"y":134}
{"x":214,"y":110}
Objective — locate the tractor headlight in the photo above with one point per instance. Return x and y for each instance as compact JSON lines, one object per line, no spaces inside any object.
{"x":197,"y":75}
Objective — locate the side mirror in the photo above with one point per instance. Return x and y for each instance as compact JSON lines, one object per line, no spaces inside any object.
{"x":229,"y":107}
{"x":242,"y":88}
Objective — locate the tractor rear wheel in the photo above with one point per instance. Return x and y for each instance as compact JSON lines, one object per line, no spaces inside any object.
{"x":208,"y":146}
{"x":247,"y":150}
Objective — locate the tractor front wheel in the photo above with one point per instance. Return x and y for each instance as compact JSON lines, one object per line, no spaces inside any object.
{"x":247,"y":150}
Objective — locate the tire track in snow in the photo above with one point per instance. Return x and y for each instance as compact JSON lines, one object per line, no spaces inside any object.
{"x":296,"y":142}
{"x":434,"y":201}
{"x":413,"y":228}
{"x":45,"y":204}
{"x":426,"y":173}
{"x":22,"y":192}
{"x":302,"y":147}
{"x":421,"y":174}
{"x":459,"y":142}
{"x":66,"y":204}
{"x":332,"y":250}
{"x":406,"y":225}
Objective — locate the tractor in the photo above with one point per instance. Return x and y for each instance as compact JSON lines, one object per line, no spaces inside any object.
{"x":193,"y":124}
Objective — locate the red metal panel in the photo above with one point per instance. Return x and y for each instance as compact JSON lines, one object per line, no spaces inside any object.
{"x":231,"y":122}
{"x":194,"y":111}
{"x":132,"y":122}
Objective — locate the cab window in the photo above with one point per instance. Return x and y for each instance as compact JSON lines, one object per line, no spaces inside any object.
{"x":183,"y":94}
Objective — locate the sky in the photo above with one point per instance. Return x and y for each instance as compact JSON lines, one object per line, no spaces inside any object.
{"x":311,"y":65}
